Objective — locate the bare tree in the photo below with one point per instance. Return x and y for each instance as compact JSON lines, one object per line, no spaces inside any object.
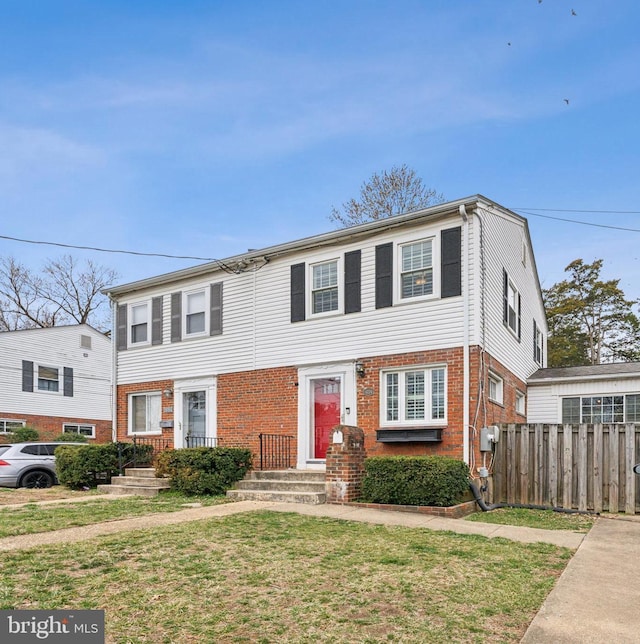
{"x":391,"y":193}
{"x":64,"y":292}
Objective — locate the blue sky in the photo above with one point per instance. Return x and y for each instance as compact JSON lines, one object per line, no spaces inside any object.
{"x":207,"y":128}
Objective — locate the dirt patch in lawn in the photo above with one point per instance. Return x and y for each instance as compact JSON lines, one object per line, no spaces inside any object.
{"x":10,"y":495}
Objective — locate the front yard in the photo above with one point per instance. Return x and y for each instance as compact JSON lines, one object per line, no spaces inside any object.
{"x":271,"y":577}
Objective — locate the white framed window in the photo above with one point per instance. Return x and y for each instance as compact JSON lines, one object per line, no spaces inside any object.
{"x":145,"y":413}
{"x":8,"y":425}
{"x":415,"y":396}
{"x":538,"y":345}
{"x":496,"y":388}
{"x":416,"y":269}
{"x":139,"y":324}
{"x":520,"y":403}
{"x":325,"y":287}
{"x":48,"y":378}
{"x":601,"y":409}
{"x":75,"y":428}
{"x":195,"y":307}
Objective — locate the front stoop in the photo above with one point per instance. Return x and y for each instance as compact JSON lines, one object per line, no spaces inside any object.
{"x":137,"y":481}
{"x":288,"y":486}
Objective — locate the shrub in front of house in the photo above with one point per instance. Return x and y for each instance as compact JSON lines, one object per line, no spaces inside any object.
{"x":204,"y":470}
{"x":415,"y":480}
{"x":24,"y":435}
{"x":79,"y":466}
{"x":71,"y":437}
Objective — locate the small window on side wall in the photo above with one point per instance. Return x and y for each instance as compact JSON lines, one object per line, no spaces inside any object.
{"x":496,"y":387}
{"x":86,"y":430}
{"x":520,"y":403}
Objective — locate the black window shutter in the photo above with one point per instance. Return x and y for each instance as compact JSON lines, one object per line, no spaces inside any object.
{"x":156,"y":320}
{"x":352,"y":278}
{"x":451,"y":262}
{"x":535,"y":341}
{"x":505,"y":298}
{"x":27,"y":375}
{"x":121,"y":331}
{"x":67,"y":387}
{"x":384,"y":275}
{"x":519,"y":318}
{"x":297,"y":292}
{"x":215,"y":318}
{"x":176,"y":316}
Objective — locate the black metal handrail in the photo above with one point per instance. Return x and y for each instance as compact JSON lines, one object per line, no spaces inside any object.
{"x":275,"y":452}
{"x":201,"y":441}
{"x":139,"y":456}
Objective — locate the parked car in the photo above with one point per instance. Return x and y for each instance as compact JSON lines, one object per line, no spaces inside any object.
{"x":29,"y":464}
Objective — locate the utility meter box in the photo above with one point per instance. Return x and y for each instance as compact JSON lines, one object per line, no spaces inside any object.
{"x":489,"y":435}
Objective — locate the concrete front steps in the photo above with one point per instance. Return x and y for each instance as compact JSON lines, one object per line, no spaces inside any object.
{"x":137,"y":481}
{"x":289,"y":486}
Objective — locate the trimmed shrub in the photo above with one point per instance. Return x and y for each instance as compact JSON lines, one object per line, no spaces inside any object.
{"x":79,"y":466}
{"x":71,"y":437}
{"x":24,"y":435}
{"x":415,"y":480}
{"x":204,"y":470}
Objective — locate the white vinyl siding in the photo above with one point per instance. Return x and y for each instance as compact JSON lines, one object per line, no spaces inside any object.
{"x":57,"y":347}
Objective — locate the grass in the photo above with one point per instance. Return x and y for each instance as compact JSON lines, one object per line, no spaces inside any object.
{"x":545,"y":519}
{"x":271,"y":577}
{"x":33,"y":518}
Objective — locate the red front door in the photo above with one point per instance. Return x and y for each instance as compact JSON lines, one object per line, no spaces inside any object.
{"x":326,"y":412}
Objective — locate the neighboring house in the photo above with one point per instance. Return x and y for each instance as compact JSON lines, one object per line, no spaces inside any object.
{"x":604,"y":393}
{"x":420,"y":329}
{"x":56,"y":380}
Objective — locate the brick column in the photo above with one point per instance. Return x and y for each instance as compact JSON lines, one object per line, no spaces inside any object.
{"x":345,"y":464}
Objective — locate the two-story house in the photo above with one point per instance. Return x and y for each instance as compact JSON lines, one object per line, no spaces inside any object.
{"x":420,"y":329}
{"x":56,"y":380}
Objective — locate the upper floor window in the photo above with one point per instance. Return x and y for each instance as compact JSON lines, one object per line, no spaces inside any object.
{"x":139,"y":323}
{"x":416,"y":269}
{"x":414,"y":396}
{"x":511,"y":305}
{"x":537,"y":343}
{"x":145,"y":413}
{"x":496,"y":389}
{"x":601,"y":409}
{"x":195,"y":312}
{"x":324,"y":287}
{"x":48,"y":378}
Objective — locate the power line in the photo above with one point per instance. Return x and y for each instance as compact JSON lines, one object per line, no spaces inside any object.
{"x":604,"y":212}
{"x":108,"y":250}
{"x":583,"y":223}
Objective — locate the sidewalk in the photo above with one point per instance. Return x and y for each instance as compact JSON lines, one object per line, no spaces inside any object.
{"x":597,"y":598}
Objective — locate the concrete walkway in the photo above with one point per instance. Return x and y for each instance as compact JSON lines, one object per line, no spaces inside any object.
{"x":597,"y":598}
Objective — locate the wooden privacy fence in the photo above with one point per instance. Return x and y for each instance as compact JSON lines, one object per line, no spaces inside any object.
{"x":581,"y":467}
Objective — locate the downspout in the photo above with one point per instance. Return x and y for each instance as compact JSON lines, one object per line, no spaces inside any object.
{"x":465,"y":342}
{"x":114,"y":371}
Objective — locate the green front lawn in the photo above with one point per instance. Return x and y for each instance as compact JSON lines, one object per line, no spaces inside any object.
{"x":545,"y":519}
{"x":271,"y":577}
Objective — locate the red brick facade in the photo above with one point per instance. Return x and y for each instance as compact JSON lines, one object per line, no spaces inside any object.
{"x":266,"y":401}
{"x":50,"y":427}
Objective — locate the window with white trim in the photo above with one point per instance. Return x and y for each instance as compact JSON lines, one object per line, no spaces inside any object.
{"x":496,"y":388}
{"x":48,"y":378}
{"x":520,"y":403}
{"x":144,"y":413}
{"x":537,"y":344}
{"x":416,"y":269}
{"x":8,"y":425}
{"x":86,"y":430}
{"x":601,"y":409}
{"x":512,"y":307}
{"x":139,"y":323}
{"x":195,"y":307}
{"x":325,"y":295}
{"x":414,"y":396}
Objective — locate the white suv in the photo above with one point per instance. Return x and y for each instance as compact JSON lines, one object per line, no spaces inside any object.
{"x":29,"y":464}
